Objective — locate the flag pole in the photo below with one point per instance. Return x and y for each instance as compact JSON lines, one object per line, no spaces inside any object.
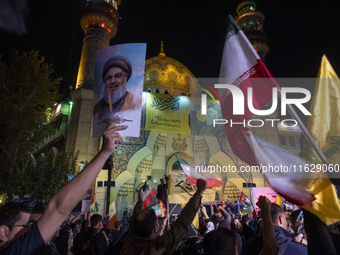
{"x":306,"y":132}
{"x":334,"y":179}
{"x":173,"y":209}
{"x":109,"y":165}
{"x":167,"y":211}
{"x":308,"y":136}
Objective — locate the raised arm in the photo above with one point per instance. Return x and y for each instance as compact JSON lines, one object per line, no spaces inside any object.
{"x":180,"y":227}
{"x":68,"y":196}
{"x":204,"y":212}
{"x":269,"y":240}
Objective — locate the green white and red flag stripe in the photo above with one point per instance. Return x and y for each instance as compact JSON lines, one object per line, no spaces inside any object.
{"x":112,"y":210}
{"x":151,"y":194}
{"x":193,"y":175}
{"x":93,"y":204}
{"x":160,"y":208}
{"x":240,"y":66}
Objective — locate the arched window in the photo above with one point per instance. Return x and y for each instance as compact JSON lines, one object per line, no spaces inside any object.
{"x":176,"y":166}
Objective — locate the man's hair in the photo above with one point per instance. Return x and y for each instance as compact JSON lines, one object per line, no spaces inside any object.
{"x":117,"y":223}
{"x":75,"y":224}
{"x":95,"y":219}
{"x":245,"y":218}
{"x":222,"y":213}
{"x":84,"y":225}
{"x":40,"y":207}
{"x":145,"y":222}
{"x":218,"y":206}
{"x":10,"y":211}
{"x":219,"y":242}
{"x":275,"y":211}
{"x":294,"y":215}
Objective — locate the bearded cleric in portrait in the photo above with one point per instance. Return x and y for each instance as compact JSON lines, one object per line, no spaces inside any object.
{"x":117,"y":101}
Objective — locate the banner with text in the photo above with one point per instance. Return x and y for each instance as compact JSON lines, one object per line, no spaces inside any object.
{"x":166,"y":113}
{"x":180,"y":190}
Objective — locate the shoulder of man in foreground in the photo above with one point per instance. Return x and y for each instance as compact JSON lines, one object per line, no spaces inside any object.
{"x":286,"y":244}
{"x":30,"y":243}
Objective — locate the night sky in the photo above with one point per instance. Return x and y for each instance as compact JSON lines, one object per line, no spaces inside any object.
{"x":299,"y":33}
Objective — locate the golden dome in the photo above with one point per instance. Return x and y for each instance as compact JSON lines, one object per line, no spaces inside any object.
{"x":163,"y":73}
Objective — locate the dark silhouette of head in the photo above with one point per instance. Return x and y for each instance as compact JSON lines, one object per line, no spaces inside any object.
{"x":145,"y":223}
{"x":95,"y":219}
{"x":220,"y":242}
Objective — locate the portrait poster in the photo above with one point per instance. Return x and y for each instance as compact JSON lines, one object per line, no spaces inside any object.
{"x":118,"y":89}
{"x":166,"y":113}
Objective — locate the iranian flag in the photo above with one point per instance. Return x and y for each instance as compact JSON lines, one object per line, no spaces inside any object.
{"x":112,"y":210}
{"x":93,"y":205}
{"x":159,"y":208}
{"x":240,"y":66}
{"x":151,"y":194}
{"x":193,"y":175}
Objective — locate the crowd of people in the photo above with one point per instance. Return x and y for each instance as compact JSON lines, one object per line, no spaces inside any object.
{"x":30,"y":226}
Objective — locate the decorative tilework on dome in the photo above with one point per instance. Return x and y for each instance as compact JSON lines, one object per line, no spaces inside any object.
{"x":163,"y":73}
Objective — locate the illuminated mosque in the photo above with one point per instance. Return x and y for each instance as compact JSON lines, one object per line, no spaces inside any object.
{"x":154,"y":154}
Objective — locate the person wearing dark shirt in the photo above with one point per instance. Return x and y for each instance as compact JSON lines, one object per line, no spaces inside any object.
{"x":162,"y":191}
{"x":286,"y":245}
{"x":284,"y":242}
{"x":99,"y":242}
{"x":143,"y":235}
{"x":220,"y":242}
{"x":29,"y":243}
{"x":236,"y":208}
{"x":226,"y":215}
{"x":247,"y":231}
{"x":16,"y":216}
{"x":35,"y":240}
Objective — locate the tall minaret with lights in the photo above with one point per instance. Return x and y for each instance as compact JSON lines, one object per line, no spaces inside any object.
{"x":100,"y":23}
{"x":251,"y":22}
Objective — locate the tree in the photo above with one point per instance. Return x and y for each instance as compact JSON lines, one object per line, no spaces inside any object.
{"x":27,"y":92}
{"x":44,"y":175}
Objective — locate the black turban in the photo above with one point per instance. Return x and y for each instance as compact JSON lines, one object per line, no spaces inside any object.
{"x":118,"y":61}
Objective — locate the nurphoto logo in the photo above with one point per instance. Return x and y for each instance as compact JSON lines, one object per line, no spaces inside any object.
{"x":301,"y":96}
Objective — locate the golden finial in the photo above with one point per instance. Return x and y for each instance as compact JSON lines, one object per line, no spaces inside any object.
{"x":162,"y":50}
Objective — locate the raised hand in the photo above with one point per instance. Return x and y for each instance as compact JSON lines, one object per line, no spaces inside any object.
{"x":111,"y":137}
{"x":263,"y":203}
{"x":201,"y":186}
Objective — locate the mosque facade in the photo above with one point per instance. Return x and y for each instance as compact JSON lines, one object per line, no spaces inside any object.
{"x":154,"y":155}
